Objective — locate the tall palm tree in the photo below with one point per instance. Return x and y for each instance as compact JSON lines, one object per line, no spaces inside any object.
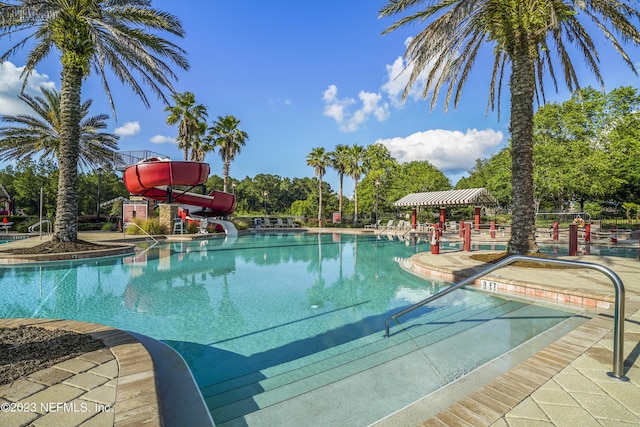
{"x":40,"y":133}
{"x":199,"y":147}
{"x":525,"y":38}
{"x":225,"y":135}
{"x":339,"y":161}
{"x":90,"y":36}
{"x":355,"y":168}
{"x":318,"y":159}
{"x":189,"y":117}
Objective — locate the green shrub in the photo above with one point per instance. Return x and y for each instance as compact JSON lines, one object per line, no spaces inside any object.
{"x":151,"y":226}
{"x":242,"y":223}
{"x":192,"y":228}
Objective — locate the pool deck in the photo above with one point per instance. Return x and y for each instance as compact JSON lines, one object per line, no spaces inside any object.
{"x":565,"y":384}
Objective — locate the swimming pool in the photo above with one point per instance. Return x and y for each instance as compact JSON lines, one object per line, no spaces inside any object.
{"x":280,"y":326}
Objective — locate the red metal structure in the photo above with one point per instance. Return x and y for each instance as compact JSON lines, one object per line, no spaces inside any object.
{"x":155,"y":179}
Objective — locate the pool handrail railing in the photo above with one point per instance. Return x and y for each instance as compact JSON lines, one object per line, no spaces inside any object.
{"x":618,"y":327}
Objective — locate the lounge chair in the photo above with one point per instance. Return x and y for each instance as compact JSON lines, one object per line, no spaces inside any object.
{"x":202,"y":228}
{"x":292,"y":224}
{"x":376,"y":225}
{"x":279,"y":223}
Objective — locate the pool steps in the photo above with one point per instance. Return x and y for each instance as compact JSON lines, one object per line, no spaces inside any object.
{"x":448,"y":327}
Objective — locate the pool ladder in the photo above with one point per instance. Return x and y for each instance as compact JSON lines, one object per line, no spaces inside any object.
{"x":618,"y":326}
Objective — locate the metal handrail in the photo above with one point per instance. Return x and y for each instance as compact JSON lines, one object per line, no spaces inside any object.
{"x":618,"y":327}
{"x":39,"y":224}
{"x":128,"y":224}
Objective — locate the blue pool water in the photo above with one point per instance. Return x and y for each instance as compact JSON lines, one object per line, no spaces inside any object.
{"x":253,"y":315}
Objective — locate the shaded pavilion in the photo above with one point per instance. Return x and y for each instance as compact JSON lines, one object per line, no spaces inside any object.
{"x":477,"y":197}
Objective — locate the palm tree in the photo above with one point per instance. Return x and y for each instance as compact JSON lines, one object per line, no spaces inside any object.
{"x":318,"y":159}
{"x":229,"y":139}
{"x":40,"y":134}
{"x":90,"y":35}
{"x":355,"y":168}
{"x":339,"y":160}
{"x":525,"y":37}
{"x":199,"y":147}
{"x":190,"y":118}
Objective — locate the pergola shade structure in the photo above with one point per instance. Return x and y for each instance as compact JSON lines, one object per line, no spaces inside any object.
{"x":470,"y":196}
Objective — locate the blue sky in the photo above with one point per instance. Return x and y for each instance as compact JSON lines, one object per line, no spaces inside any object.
{"x":301,"y":75}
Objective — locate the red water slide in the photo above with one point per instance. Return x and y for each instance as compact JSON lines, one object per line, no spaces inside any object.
{"x":154,"y":178}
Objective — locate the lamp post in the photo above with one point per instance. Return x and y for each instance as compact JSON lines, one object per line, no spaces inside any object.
{"x":99,"y":173}
{"x":265,"y":205}
{"x":377,"y":193}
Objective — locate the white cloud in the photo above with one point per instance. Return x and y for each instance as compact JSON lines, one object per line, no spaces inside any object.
{"x":449,"y":151}
{"x":128,"y":129}
{"x":162,"y":139}
{"x":338,"y":109}
{"x":398,"y":75}
{"x":11,"y":86}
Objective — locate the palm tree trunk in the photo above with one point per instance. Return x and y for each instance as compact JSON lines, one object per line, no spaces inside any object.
{"x":523,"y":236}
{"x":340,"y":202}
{"x":355,"y":201}
{"x":225,"y":173}
{"x":320,"y":202}
{"x":66,"y":222}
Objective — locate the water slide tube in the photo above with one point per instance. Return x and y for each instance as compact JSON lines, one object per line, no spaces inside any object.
{"x":154,"y":178}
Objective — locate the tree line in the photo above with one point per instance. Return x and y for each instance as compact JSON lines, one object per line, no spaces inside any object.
{"x":585,"y":152}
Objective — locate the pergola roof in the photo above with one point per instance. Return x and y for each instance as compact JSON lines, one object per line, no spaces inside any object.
{"x":470,"y":196}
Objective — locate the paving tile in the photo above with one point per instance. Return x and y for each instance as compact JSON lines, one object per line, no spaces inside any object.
{"x":50,"y":376}
{"x":85,"y":380}
{"x":98,"y":357}
{"x":140,"y":376}
{"x":527,"y":409}
{"x":487,"y":414}
{"x":466,"y":415}
{"x":19,"y":389}
{"x":75,"y":365}
{"x":500,"y":395}
{"x":602,"y":407}
{"x":17,"y":419}
{"x":52,"y":396}
{"x":142,"y":401}
{"x":104,"y":395}
{"x":552,"y":393}
{"x":103,"y":419}
{"x":521,"y":422}
{"x":514,"y":389}
{"x":625,"y":392}
{"x":137,"y":417}
{"x":568,"y":416}
{"x":449,"y":419}
{"x":433,"y":423}
{"x":485,"y":400}
{"x":500,"y":423}
{"x":108,"y":369}
{"x":69,"y":414}
{"x":573,"y":381}
{"x":137,"y":389}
